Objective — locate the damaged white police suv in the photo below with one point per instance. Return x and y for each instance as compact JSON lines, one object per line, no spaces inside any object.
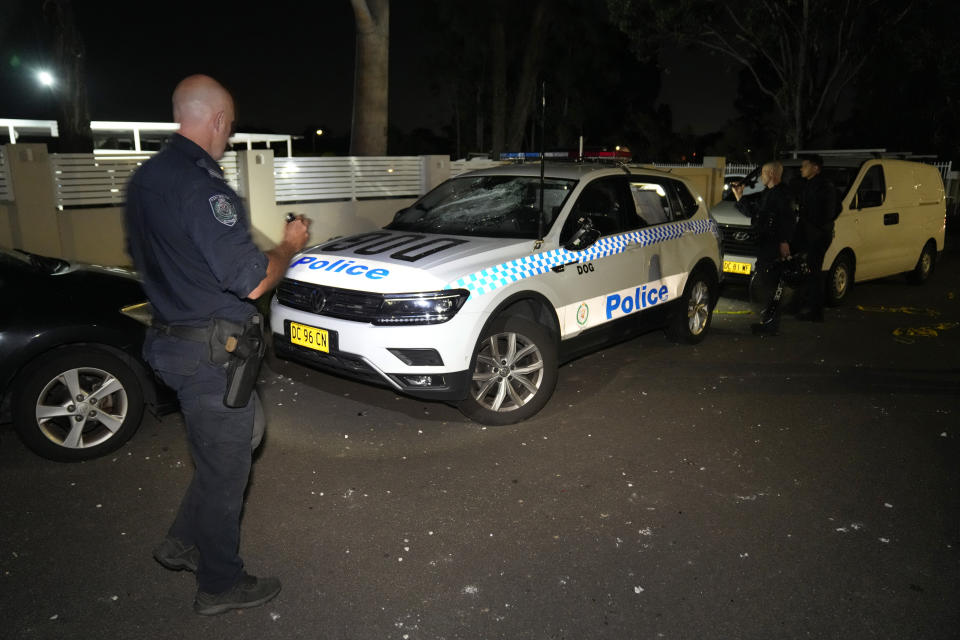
{"x":475,"y":294}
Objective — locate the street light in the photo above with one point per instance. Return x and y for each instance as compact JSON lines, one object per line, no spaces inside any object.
{"x":45,"y":78}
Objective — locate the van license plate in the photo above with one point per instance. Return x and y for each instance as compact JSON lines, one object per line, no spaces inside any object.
{"x":729,"y":266}
{"x":310,"y":337}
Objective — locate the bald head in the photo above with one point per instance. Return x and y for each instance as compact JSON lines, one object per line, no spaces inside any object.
{"x":204,"y":110}
{"x":771,"y":173}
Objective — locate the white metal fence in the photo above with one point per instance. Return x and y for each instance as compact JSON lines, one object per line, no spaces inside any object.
{"x":82,"y":179}
{"x":6,"y":185}
{"x":88,"y":180}
{"x":345,"y":178}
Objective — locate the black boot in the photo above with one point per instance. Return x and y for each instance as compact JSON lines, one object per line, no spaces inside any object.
{"x":764,"y":328}
{"x":769,"y":324}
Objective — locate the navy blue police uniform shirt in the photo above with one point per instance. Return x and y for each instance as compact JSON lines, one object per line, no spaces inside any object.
{"x":189,"y":236}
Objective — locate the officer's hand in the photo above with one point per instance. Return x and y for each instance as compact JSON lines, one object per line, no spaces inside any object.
{"x":297,"y":231}
{"x":737,"y":189}
{"x":784,"y":250}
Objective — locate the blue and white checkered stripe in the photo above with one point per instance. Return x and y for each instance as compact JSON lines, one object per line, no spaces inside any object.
{"x":501,"y":275}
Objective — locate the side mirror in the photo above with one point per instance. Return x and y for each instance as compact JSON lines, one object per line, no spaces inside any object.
{"x":583,"y":237}
{"x":399,"y":214}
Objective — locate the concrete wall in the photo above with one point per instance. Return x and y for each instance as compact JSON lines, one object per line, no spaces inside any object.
{"x":707,"y":180}
{"x":94,"y":235}
{"x":9,"y":235}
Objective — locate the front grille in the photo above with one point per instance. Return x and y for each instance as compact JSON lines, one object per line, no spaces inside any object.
{"x":739,"y":240}
{"x":339,"y":363}
{"x":329,"y":301}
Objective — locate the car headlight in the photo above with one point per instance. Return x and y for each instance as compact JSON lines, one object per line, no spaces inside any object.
{"x":420,"y":308}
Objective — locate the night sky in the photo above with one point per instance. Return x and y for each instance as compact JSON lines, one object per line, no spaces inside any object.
{"x":289,"y":64}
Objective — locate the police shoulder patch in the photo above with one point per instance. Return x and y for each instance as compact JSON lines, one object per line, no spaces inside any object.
{"x":223,"y":209}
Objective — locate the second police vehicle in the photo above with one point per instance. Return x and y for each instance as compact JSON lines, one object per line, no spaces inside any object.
{"x":475,"y":294}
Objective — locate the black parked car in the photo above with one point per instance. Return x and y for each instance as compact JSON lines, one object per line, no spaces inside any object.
{"x":72,"y":379}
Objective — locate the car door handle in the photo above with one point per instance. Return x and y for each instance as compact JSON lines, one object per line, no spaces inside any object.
{"x":891,"y":218}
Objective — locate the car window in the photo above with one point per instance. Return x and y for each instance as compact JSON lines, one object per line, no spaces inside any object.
{"x":687,"y":204}
{"x":607,"y":203}
{"x":652,"y":202}
{"x":493,"y":206}
{"x":872,"y":190}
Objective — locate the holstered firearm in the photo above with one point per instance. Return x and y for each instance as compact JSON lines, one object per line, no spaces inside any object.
{"x":246,"y":351}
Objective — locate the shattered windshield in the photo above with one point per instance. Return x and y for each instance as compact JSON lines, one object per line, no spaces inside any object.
{"x":486,"y":206}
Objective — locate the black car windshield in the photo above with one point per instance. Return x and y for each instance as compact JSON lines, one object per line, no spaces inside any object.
{"x":492,"y":206}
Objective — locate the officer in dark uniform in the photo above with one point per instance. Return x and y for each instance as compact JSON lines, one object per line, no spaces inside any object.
{"x":773,"y":215}
{"x":818,"y":209}
{"x":189,"y":237}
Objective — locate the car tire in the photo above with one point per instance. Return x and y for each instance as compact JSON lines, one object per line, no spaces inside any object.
{"x":839,"y":280}
{"x":692,"y":319}
{"x":514,"y":372}
{"x":925,"y":265}
{"x":77,"y":403}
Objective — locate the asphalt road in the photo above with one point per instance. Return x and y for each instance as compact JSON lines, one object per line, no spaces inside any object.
{"x":802,"y":486}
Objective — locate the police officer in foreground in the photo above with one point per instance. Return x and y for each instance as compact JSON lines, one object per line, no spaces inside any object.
{"x":772,"y":213}
{"x":818,"y":209}
{"x":189,"y":237}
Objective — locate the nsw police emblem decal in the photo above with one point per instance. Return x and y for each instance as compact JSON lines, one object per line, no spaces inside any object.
{"x":223,"y":209}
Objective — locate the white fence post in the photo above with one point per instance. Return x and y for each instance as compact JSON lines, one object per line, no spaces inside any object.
{"x":433,"y":171}
{"x":35,"y":224}
{"x":6,"y":185}
{"x":255,"y":177}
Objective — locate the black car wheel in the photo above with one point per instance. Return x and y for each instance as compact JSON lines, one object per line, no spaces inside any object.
{"x":77,"y":403}
{"x":514,"y":372}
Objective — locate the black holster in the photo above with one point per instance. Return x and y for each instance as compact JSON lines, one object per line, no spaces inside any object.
{"x":246,"y":351}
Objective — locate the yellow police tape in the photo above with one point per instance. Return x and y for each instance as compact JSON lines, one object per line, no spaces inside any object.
{"x":912,"y":311}
{"x":925,"y":332}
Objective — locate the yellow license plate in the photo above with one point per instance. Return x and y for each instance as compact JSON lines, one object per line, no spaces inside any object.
{"x":729,"y":266}
{"x":310,"y":337}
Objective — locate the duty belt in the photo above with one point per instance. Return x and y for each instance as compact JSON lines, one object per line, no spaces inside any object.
{"x":186,"y":332}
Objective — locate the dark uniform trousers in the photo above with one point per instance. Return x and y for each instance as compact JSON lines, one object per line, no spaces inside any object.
{"x":220,"y":441}
{"x":815,"y":242}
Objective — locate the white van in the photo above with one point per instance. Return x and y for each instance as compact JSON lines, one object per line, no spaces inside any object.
{"x":892,"y":221}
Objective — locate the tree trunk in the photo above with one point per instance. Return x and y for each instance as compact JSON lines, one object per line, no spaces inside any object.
{"x":498,"y":87}
{"x":526,"y":93}
{"x":71,"y":87}
{"x":371,"y":78}
{"x":481,"y":122}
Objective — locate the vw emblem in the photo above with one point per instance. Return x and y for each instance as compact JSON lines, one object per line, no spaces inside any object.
{"x":741,"y":236}
{"x":317,"y":300}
